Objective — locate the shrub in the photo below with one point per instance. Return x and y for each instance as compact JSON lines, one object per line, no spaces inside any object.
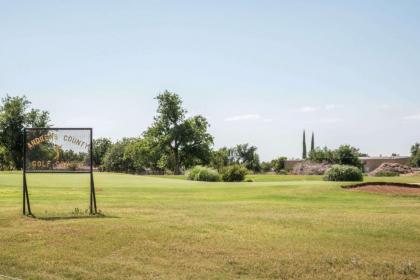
{"x":266,"y":167}
{"x":384,"y":173}
{"x":343,"y":173}
{"x":283,"y":172}
{"x":234,"y":173}
{"x":72,"y":166}
{"x":205,"y":174}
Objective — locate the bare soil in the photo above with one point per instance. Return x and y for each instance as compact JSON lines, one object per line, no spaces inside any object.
{"x":388,"y":188}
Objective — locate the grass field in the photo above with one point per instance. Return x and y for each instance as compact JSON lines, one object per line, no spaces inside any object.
{"x":278,"y":227}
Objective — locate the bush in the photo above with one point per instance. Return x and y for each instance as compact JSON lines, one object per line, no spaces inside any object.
{"x":234,"y":173}
{"x":205,"y":174}
{"x":343,"y":173}
{"x":266,"y":167}
{"x":384,"y":173}
{"x":72,"y":166}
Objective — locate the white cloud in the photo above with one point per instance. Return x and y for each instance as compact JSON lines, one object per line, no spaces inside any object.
{"x":412,"y":117}
{"x":330,"y":107}
{"x":248,"y":117}
{"x":308,"y":109}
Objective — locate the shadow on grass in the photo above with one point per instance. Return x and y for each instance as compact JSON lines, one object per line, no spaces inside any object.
{"x":76,"y":217}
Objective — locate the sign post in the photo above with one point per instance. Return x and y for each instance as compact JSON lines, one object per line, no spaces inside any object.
{"x":58,"y":150}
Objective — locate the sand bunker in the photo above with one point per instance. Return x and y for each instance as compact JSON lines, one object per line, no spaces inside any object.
{"x":384,"y":187}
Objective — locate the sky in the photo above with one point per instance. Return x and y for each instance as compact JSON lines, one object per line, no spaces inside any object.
{"x":260,"y":71}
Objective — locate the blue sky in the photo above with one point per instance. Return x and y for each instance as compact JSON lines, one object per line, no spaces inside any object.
{"x":260,"y":71}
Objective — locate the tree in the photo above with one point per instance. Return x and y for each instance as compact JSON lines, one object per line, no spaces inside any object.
{"x":247,"y":156}
{"x":347,"y":155}
{"x":114,"y":159}
{"x":279,"y":164}
{"x":185,"y":140}
{"x":220,"y":158}
{"x":323,"y":155}
{"x":344,"y":155}
{"x":304,"y":146}
{"x":415,"y":155}
{"x":144,"y":155}
{"x":99,"y":149}
{"x":313,"y":142}
{"x":196,"y":142}
{"x":14,"y":117}
{"x":6,"y":162}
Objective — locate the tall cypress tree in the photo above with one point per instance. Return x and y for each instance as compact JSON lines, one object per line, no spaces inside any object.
{"x":313,"y":142}
{"x":304,"y":146}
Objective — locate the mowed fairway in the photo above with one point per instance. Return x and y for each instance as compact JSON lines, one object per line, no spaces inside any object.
{"x":279,"y":227}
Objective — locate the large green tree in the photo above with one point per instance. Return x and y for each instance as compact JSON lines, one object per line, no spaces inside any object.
{"x":99,"y":150}
{"x":220,"y":158}
{"x":347,"y":155}
{"x":145,"y":155}
{"x":185,"y":141}
{"x":15,"y":115}
{"x":114,"y":159}
{"x":246,"y":155}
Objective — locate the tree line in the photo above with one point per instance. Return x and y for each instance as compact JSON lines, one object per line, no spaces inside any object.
{"x":172,"y":143}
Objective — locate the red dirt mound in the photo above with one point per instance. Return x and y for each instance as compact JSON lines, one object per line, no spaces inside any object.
{"x":310,"y":168}
{"x":384,"y":187}
{"x":392,"y":167}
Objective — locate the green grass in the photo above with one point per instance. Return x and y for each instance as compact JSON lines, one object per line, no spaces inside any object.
{"x":278,"y":227}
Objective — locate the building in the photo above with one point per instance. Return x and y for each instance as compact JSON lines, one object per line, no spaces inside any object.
{"x":369,"y":163}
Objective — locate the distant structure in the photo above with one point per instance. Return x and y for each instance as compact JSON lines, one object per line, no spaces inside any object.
{"x":369,"y":163}
{"x":304,"y":146}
